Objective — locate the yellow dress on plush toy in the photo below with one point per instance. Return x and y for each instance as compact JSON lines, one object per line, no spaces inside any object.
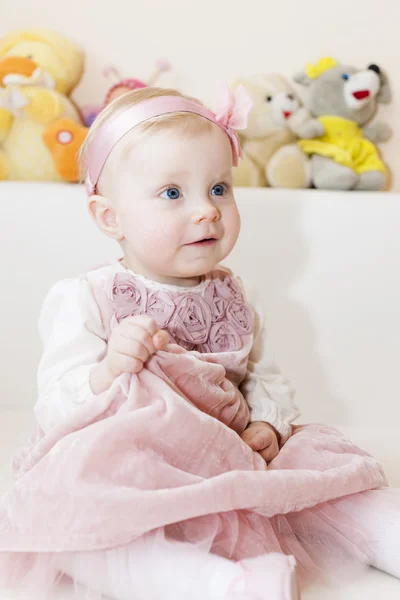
{"x":343,"y":141}
{"x":39,"y":125}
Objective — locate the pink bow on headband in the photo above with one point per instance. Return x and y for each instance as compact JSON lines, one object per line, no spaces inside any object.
{"x":233,"y":109}
{"x":232,"y":113}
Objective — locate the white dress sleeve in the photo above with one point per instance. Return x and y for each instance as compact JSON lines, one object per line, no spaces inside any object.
{"x":74,"y":341}
{"x":268,"y":394}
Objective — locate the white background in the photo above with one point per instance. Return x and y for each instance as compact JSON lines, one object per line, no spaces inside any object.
{"x":210,"y":39}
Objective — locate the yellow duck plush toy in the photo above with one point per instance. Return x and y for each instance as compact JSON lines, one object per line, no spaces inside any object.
{"x":40,"y":127}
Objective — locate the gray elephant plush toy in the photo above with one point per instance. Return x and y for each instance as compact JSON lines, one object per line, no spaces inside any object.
{"x":341,"y":101}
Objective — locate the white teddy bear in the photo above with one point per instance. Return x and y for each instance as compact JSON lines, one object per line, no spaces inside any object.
{"x":271,"y":156}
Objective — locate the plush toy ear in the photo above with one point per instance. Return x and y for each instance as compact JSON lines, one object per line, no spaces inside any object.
{"x":302,"y":78}
{"x":385,"y":93}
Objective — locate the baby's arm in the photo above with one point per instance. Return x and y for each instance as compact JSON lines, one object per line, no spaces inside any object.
{"x":267,"y":392}
{"x":78,"y":362}
{"x":74,"y":341}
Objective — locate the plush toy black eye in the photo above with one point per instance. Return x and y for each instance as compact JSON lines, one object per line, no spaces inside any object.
{"x":269,"y":98}
{"x":374,"y":68}
{"x":345,"y":76}
{"x":290,"y":97}
{"x":29,"y":56}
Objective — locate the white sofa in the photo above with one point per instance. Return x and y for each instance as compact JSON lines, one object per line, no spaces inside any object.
{"x":327,"y":265}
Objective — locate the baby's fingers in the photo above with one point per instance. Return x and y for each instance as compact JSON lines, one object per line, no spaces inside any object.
{"x":140,"y":335}
{"x":145,"y":322}
{"x":132,"y":348}
{"x":160,"y":340}
{"x":128,"y":364}
{"x":271,"y":452}
{"x":258,"y":439}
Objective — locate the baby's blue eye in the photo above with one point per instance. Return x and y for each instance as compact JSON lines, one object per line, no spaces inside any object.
{"x":218,"y":190}
{"x":346,"y":76}
{"x":171,"y":194}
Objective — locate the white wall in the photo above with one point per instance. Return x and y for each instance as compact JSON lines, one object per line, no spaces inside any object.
{"x":210,"y":39}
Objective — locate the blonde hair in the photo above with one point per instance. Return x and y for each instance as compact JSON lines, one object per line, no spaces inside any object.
{"x":183,"y":121}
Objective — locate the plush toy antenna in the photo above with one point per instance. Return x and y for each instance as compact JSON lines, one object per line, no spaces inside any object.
{"x":162,"y":66}
{"x":112,"y":73}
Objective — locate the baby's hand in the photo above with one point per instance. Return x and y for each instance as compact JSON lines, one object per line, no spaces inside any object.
{"x":131,"y":344}
{"x":262,"y":438}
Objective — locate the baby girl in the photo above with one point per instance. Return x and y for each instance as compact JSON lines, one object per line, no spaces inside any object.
{"x":166,"y":463}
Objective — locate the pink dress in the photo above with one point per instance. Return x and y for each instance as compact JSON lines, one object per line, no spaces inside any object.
{"x":159,"y":454}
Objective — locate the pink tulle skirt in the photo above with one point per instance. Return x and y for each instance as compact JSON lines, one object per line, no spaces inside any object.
{"x":141,"y":471}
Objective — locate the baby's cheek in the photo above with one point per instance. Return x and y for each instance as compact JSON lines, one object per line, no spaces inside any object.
{"x":158,"y":234}
{"x":231,"y":221}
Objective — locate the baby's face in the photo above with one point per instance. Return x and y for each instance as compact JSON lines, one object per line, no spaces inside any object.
{"x":174,"y":204}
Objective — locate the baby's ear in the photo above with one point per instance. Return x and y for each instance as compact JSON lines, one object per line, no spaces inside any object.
{"x":104,"y":215}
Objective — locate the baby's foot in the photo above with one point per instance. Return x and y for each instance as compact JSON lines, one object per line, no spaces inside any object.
{"x":268,"y":577}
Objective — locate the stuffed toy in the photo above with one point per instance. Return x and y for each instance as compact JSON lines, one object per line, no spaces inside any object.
{"x":40,"y":127}
{"x":337,"y":134}
{"x":119,"y":87}
{"x":271,"y":156}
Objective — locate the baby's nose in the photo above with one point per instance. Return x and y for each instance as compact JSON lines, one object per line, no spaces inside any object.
{"x":207,"y":212}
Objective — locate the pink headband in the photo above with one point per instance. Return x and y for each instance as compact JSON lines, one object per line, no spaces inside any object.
{"x":231,"y":116}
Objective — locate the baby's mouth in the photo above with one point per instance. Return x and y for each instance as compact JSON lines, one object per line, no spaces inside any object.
{"x":207,"y":241}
